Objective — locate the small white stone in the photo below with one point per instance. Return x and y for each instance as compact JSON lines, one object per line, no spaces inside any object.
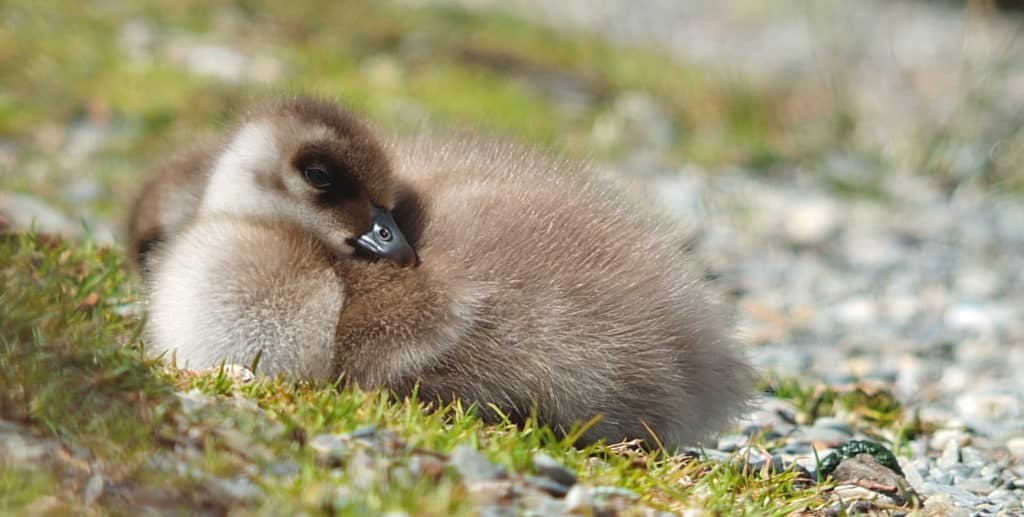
{"x":1016,"y":447}
{"x":942,"y":437}
{"x":950,"y":455}
{"x":810,"y":221}
{"x":93,"y":489}
{"x":857,"y":311}
{"x":850,"y":493}
{"x":979,"y":317}
{"x":578,"y":501}
{"x":990,"y":406}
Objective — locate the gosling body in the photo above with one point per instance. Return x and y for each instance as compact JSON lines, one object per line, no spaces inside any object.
{"x":538,"y":292}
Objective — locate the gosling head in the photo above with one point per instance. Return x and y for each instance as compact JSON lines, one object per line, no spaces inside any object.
{"x":312,"y":163}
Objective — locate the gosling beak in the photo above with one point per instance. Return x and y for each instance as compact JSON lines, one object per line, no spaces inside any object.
{"x":385,"y":240}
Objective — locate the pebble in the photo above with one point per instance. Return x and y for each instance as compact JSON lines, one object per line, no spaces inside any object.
{"x":976,"y":485}
{"x":474,"y":466}
{"x":549,"y":467}
{"x":21,"y":212}
{"x":541,"y":504}
{"x":331,"y":449}
{"x":849,"y":493}
{"x":193,"y":400}
{"x":93,"y":489}
{"x":491,"y":491}
{"x":426,"y":465}
{"x":547,"y":485}
{"x":240,"y":488}
{"x":810,"y":221}
{"x":578,"y":501}
{"x":614,"y":491}
{"x":941,"y":504}
{"x":941,"y":438}
{"x":1016,"y":447}
{"x":950,"y":455}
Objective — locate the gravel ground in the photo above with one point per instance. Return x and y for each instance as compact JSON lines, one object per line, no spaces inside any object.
{"x":918,"y":288}
{"x":923,"y":296}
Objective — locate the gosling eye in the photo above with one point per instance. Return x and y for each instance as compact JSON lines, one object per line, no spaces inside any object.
{"x":317,"y":177}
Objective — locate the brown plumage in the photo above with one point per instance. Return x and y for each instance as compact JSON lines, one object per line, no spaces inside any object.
{"x":537,"y":291}
{"x":168,"y":201}
{"x":263,"y":170}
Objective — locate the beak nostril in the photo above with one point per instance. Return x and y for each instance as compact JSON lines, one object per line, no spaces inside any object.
{"x":385,"y":240}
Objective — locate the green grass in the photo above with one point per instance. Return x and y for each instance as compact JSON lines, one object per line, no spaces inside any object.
{"x":72,"y":367}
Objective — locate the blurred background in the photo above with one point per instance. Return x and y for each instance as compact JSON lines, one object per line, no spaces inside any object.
{"x":93,"y":91}
{"x":851,"y":171}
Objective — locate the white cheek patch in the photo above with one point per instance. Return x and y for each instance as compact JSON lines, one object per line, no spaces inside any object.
{"x":232,"y":187}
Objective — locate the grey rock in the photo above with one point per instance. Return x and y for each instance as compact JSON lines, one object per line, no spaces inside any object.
{"x":864,"y":467}
{"x":21,"y":212}
{"x":427,"y":465}
{"x":283,"y":468}
{"x":547,"y":485}
{"x":240,"y":489}
{"x":491,"y":491}
{"x":979,"y":317}
{"x":93,"y":489}
{"x":474,"y":466}
{"x":364,"y":469}
{"x":1002,"y":495}
{"x":950,"y":455}
{"x":960,"y":497}
{"x":940,"y":476}
{"x":1014,"y":506}
{"x":365,"y":432}
{"x":972,"y":457}
{"x":834,"y":423}
{"x":82,"y":190}
{"x":613,"y":491}
{"x":940,"y":438}
{"x":942,"y":504}
{"x":540,"y":504}
{"x":331,"y":449}
{"x":732,"y":442}
{"x":549,"y":467}
{"x":578,"y":501}
{"x":193,"y":400}
{"x":976,"y":485}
